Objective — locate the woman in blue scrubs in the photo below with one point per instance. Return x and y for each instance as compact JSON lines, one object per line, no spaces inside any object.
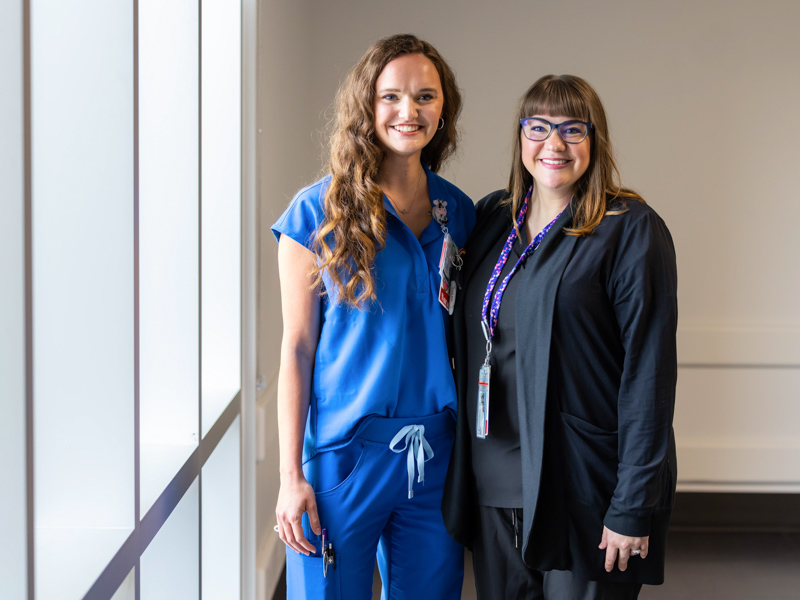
{"x":366,"y":397}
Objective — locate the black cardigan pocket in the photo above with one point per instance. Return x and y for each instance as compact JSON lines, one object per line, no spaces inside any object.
{"x":590,"y":460}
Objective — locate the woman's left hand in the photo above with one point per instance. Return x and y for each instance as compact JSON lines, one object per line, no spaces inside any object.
{"x":622,"y":547}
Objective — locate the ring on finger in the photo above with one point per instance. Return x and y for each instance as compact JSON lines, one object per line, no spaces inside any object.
{"x":635,"y":552}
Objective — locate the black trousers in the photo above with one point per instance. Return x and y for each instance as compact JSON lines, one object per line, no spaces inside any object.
{"x":500,"y":573}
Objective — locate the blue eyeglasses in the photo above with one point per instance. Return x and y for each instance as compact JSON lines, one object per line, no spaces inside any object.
{"x":538,"y":130}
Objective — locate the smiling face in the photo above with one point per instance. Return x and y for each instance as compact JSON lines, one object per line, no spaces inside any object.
{"x":555,"y":165}
{"x":408,"y":104}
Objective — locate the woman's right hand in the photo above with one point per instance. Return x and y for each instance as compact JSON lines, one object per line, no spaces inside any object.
{"x":301,"y":305}
{"x":296,"y":497}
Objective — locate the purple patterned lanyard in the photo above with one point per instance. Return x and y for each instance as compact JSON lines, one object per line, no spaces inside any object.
{"x":489,"y":321}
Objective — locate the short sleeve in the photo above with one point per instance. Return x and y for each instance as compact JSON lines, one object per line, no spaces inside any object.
{"x":304,"y":215}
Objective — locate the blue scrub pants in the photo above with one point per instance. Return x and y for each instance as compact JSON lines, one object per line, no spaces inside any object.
{"x":364,"y":505}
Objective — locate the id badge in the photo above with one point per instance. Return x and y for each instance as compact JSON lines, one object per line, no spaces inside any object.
{"x":447,"y":289}
{"x":447,"y":294}
{"x":449,"y":252}
{"x":482,"y":414}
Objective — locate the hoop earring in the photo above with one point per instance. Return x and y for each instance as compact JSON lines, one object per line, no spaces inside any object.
{"x":441,"y":124}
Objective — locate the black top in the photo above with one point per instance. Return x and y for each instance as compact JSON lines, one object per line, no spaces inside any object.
{"x":495,"y":459}
{"x":596,"y":370}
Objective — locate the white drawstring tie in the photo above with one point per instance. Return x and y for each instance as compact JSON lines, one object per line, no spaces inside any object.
{"x":418,"y":447}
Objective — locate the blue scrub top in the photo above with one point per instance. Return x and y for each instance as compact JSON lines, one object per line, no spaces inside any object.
{"x":389,"y":359}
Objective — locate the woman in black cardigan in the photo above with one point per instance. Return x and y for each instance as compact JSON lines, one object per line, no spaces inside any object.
{"x":562,"y":480}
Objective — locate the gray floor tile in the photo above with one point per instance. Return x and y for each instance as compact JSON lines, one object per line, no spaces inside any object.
{"x":711,"y":566}
{"x":729,"y":566}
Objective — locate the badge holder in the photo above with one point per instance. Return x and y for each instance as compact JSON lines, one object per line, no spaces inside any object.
{"x":450,"y":257}
{"x":484,"y":378}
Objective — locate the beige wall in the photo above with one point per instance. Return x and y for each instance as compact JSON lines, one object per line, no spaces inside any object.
{"x":288,"y":158}
{"x":702,"y":99}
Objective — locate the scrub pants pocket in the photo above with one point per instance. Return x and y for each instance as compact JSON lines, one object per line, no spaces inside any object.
{"x":305,"y":580}
{"x":329,"y":473}
{"x":330,"y":469}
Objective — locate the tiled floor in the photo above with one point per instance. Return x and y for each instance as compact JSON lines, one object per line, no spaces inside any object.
{"x":710,"y":566}
{"x":730,"y":566}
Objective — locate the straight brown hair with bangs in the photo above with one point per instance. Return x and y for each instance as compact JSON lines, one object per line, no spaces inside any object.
{"x":571,"y":96}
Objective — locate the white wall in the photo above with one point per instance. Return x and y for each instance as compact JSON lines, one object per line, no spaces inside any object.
{"x":288,"y":159}
{"x":679,"y":81}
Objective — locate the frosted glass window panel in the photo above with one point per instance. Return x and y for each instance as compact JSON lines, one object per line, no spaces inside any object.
{"x":70,"y":559}
{"x":83,"y":338}
{"x":221,"y":206}
{"x":127,"y":590}
{"x":168,"y":221}
{"x":13,"y":542}
{"x":221,"y":552}
{"x":170,"y":566}
{"x":82,"y":169}
{"x":159,"y":464}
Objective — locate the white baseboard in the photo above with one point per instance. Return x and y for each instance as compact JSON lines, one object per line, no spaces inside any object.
{"x":736,"y":487}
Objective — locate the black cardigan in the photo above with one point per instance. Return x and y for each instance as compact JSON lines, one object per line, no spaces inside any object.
{"x":605,"y":307}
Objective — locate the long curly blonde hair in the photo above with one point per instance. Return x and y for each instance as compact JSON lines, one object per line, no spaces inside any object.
{"x":354,"y":226}
{"x":571,"y":96}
